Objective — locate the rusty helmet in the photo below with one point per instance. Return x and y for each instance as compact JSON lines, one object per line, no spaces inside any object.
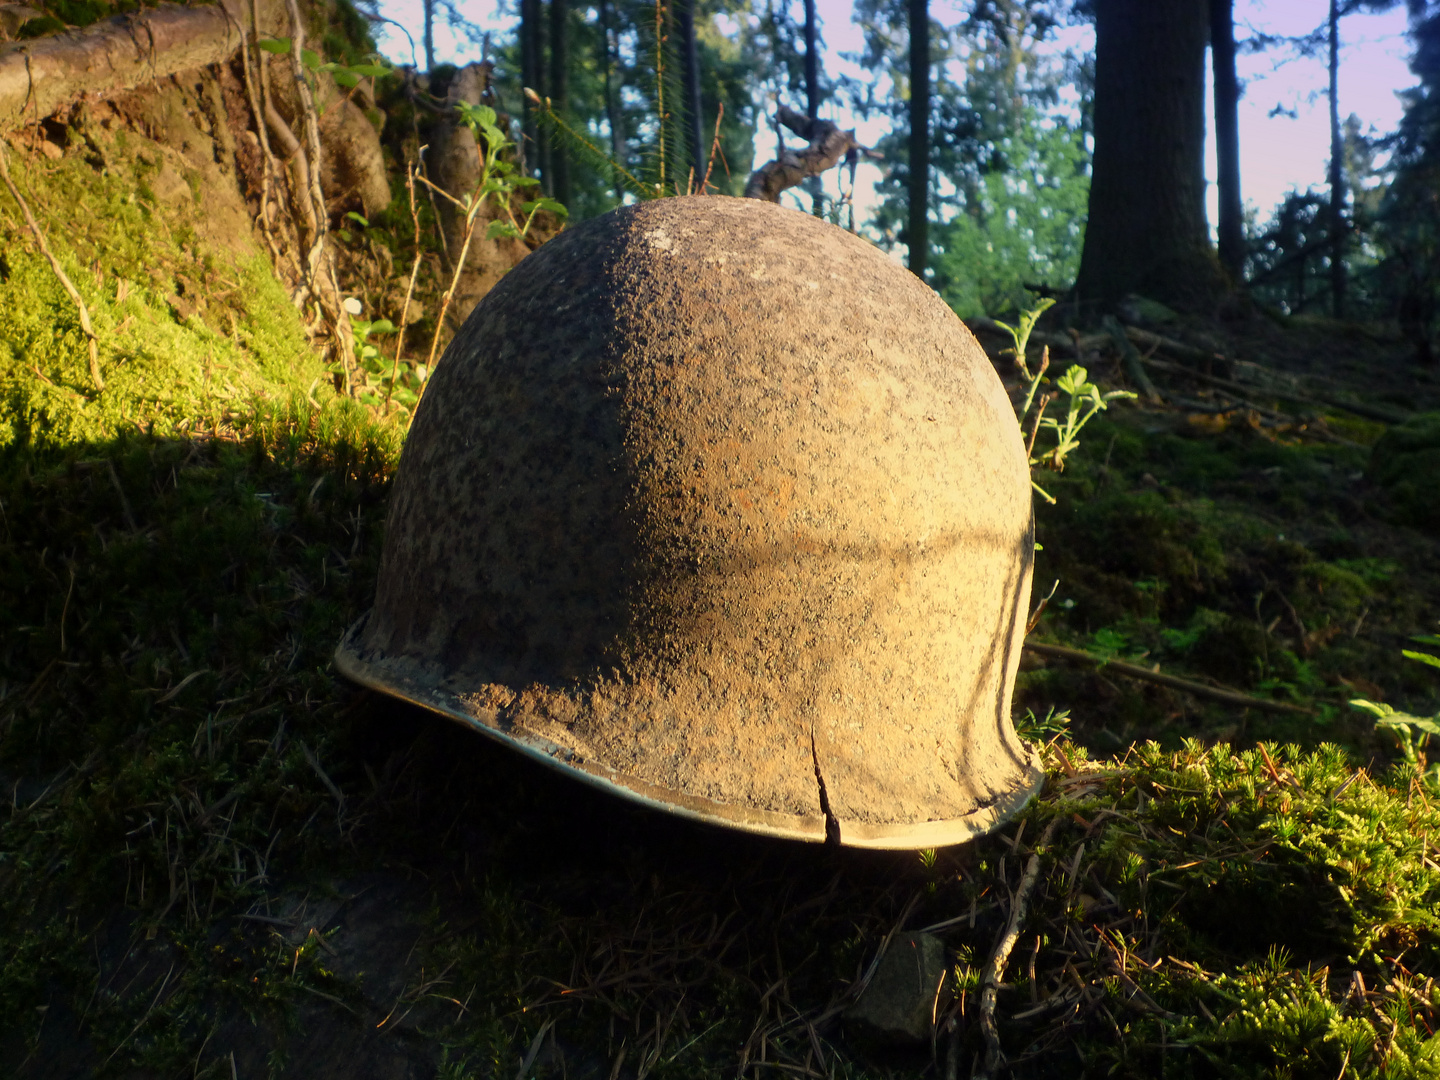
{"x":715,"y":506}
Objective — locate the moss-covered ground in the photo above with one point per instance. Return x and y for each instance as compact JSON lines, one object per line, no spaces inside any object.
{"x":217,"y":859}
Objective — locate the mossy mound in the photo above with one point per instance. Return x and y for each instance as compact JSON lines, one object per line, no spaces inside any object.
{"x":190,"y":331}
{"x":1406,"y":463}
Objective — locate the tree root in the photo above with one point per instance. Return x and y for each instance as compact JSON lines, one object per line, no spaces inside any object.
{"x":995,"y":969}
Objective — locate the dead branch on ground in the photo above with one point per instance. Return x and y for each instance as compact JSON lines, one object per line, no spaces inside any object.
{"x":995,"y":969}
{"x":1135,"y":671}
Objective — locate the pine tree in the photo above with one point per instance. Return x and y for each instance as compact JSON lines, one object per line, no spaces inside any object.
{"x":1409,"y":229}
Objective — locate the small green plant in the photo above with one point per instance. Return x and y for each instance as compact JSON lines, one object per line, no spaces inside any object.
{"x":1411,"y":733}
{"x":1423,"y":657}
{"x":1020,"y":335}
{"x":381,"y":380}
{"x":347,"y":76}
{"x":499,"y":179}
{"x":1085,"y":398}
{"x":1034,"y":728}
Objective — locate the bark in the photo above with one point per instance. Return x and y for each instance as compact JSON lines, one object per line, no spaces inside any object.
{"x":1147,"y":231}
{"x":559,"y":184}
{"x":1337,"y":173}
{"x":812,"y":63}
{"x":1231,"y":227}
{"x":812,"y":89}
{"x":828,"y":145}
{"x":612,"y":105}
{"x":37,"y":77}
{"x":429,"y":35}
{"x":532,"y":77}
{"x":918,"y":229}
{"x":690,"y":56}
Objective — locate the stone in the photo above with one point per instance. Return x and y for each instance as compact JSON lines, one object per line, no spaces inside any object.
{"x":899,"y":1004}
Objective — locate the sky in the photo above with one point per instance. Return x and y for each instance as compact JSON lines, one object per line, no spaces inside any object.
{"x":1284,"y":115}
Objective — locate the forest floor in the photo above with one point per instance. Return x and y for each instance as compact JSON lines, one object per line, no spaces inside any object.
{"x":218,"y":859}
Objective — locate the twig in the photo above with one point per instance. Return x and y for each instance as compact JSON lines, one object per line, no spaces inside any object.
{"x":1131,"y":356}
{"x":410,"y":171}
{"x":714,"y":149}
{"x":65,"y":281}
{"x":120,"y":491}
{"x":1135,"y":671}
{"x":995,"y":969}
{"x":1369,"y":412}
{"x":454,"y":280}
{"x":325,"y":779}
{"x":1040,"y":609}
{"x":1045,"y":400}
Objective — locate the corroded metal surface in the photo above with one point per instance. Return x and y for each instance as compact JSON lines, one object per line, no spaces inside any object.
{"x":712,"y":504}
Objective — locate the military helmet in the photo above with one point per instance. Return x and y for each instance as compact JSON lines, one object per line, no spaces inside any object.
{"x":715,"y":506}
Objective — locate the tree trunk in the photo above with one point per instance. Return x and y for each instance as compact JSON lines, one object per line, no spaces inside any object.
{"x":1147,"y":231}
{"x":428,"y":35}
{"x":530,"y":78}
{"x":690,"y":57}
{"x":612,"y":104}
{"x":812,"y":92}
{"x":559,"y":96}
{"x":1337,"y":173}
{"x":918,"y":228}
{"x":1227,"y":138}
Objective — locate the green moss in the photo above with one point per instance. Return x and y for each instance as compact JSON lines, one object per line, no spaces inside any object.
{"x":79,"y":12}
{"x":43,"y":26}
{"x":182,"y":341}
{"x":1406,"y":463}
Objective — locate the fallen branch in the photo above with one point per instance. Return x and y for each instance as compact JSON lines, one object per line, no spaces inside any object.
{"x":828,"y":145}
{"x":65,"y":281}
{"x":1369,"y":412}
{"x":1145,"y":339}
{"x":995,"y":969}
{"x":1134,"y":365}
{"x":37,"y":77}
{"x":1135,"y":671}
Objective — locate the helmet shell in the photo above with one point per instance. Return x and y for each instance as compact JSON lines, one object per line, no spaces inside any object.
{"x":714,"y":505}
